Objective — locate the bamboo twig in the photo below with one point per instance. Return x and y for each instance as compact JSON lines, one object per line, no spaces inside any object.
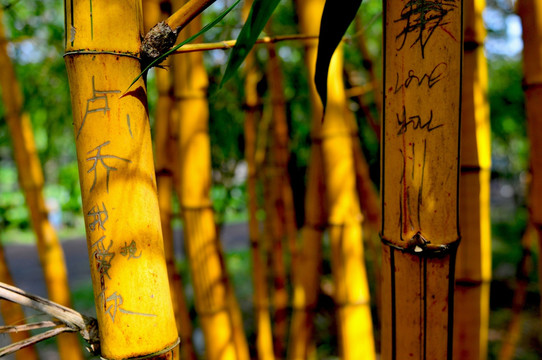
{"x":9,"y":349}
{"x":25,"y":327}
{"x":73,"y":320}
{"x":228,"y":44}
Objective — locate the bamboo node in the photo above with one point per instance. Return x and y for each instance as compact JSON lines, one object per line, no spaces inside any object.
{"x":420,"y":246}
{"x":154,"y":354}
{"x":157,"y":41}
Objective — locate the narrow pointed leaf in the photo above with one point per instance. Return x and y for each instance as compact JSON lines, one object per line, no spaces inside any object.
{"x":260,"y":12}
{"x":176,"y":47}
{"x":336,"y":18}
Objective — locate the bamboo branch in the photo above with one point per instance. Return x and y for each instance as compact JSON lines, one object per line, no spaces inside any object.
{"x":187,"y":13}
{"x":228,"y":44}
{"x":73,"y":320}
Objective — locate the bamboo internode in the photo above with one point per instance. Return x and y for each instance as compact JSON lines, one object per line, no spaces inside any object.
{"x":215,"y":301}
{"x":473,"y":269}
{"x":117,"y":177}
{"x":419,"y":176}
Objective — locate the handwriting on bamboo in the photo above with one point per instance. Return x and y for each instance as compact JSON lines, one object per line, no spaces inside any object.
{"x":99,"y":158}
{"x":98,"y":102}
{"x":103,"y":256}
{"x":99,"y":217}
{"x":415,"y":122}
{"x":430,"y":79}
{"x":421,"y":18}
{"x":113,"y":304}
{"x":130,"y":250}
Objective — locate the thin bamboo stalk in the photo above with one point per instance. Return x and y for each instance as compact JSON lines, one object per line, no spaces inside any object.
{"x":228,"y":44}
{"x":215,"y":301}
{"x":283,"y":225}
{"x":531,"y":18}
{"x":117,"y":176}
{"x":31,"y":182}
{"x":420,"y":173}
{"x":473,"y":268}
{"x":264,"y":335}
{"x":12,"y":314}
{"x":274,"y":230}
{"x":165,"y":162}
{"x":306,"y":283}
{"x":351,"y":289}
{"x":513,"y":331}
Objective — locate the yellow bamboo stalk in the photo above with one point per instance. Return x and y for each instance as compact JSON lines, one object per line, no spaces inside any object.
{"x":473,"y":268}
{"x":306,"y":282}
{"x":13,"y":314}
{"x":369,"y":203}
{"x":31,"y":182}
{"x":215,"y":302}
{"x":531,"y":17}
{"x":165,"y":131}
{"x":264,"y":335}
{"x":118,"y":187}
{"x":513,"y":331}
{"x":420,"y":169}
{"x":351,"y":291}
{"x":345,"y":232}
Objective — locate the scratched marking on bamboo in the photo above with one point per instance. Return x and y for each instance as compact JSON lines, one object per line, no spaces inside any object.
{"x":99,"y":217}
{"x":114,"y":302}
{"x":130,"y":250}
{"x":91,"y":22}
{"x":421,"y":18}
{"x":97,"y":96}
{"x":129,"y":126}
{"x":99,"y":158}
{"x":103,"y":256}
{"x":411,"y":197}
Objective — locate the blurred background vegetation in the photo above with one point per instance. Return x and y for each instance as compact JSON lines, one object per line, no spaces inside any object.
{"x":36,"y":32}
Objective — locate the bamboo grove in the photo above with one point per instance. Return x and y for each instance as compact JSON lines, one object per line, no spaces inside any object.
{"x":380,"y":247}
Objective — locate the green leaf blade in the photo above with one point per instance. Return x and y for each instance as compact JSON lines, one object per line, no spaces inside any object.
{"x":258,"y":17}
{"x":336,"y":18}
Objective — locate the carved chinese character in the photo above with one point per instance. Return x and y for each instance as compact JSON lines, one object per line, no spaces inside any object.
{"x":130,"y":250}
{"x":99,"y":97}
{"x":99,"y":217}
{"x":103,"y":256}
{"x":100,"y":158}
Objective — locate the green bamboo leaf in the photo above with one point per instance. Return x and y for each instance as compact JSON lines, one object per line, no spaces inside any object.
{"x":260,"y":12}
{"x":336,"y":18}
{"x":176,"y":47}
